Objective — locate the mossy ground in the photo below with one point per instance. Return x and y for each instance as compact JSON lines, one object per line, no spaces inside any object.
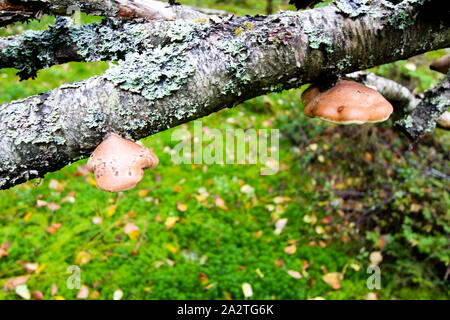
{"x":223,"y":235}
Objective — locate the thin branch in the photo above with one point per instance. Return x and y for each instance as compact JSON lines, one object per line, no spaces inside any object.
{"x":24,"y":10}
{"x":423,"y":118}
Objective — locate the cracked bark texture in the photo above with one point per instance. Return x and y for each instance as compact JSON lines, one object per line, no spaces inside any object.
{"x":169,"y":73}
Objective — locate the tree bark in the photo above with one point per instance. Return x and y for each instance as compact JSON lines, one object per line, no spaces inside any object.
{"x":19,"y":11}
{"x":174,"y":72}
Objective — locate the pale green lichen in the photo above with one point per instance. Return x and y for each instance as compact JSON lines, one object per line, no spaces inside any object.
{"x":158,"y":72}
{"x":317,"y":37}
{"x":353,"y":8}
{"x":38,"y":125}
{"x":237,"y":56}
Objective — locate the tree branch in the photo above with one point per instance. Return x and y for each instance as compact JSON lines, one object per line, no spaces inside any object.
{"x":423,"y":118}
{"x":13,"y":11}
{"x":174,"y":72}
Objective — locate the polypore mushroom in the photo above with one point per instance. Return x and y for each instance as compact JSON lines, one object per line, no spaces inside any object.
{"x":444,"y":120}
{"x":346,"y":103}
{"x":441,"y":65}
{"x":118,"y":164}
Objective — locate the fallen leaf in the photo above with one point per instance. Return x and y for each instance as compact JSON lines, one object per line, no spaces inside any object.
{"x":53,"y":228}
{"x":171,"y":248}
{"x":143,"y":193}
{"x":371,"y":296}
{"x":83,"y":257}
{"x":221,"y":204}
{"x":247,"y":189}
{"x":111,"y":210}
{"x":181,"y":207}
{"x":294,"y":274}
{"x":258,"y":234}
{"x":259,"y":273}
{"x":97,"y":220}
{"x":27,"y":216}
{"x":247,"y":290}
{"x":54,"y":289}
{"x":134,"y":235}
{"x":23,"y":292}
{"x":291,"y":249}
{"x":177,"y":188}
{"x":55,"y":185}
{"x":375,"y":258}
{"x":83,"y":293}
{"x":281,"y":200}
{"x":170,"y":222}
{"x":118,"y":294}
{"x":333,"y":279}
{"x":37,"y":295}
{"x":31,"y":267}
{"x":280,"y":225}
{"x":312,"y":219}
{"x":130,"y":227}
{"x":12,"y":283}
{"x":203,"y":278}
{"x":94,"y":295}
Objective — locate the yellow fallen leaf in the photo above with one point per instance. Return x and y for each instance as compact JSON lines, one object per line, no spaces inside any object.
{"x":94,"y":295}
{"x":130,"y":227}
{"x":27,"y":216}
{"x":111,"y":210}
{"x":291,"y":249}
{"x":134,"y":235}
{"x":59,"y":298}
{"x":333,"y":279}
{"x":143,"y":193}
{"x":83,"y":257}
{"x":177,"y":188}
{"x":170,"y":222}
{"x":171,"y":248}
{"x":181,"y":207}
{"x":203,"y":278}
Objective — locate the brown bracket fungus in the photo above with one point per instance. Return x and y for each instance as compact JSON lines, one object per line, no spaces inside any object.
{"x":441,"y":65}
{"x":347,"y":102}
{"x":118,"y":164}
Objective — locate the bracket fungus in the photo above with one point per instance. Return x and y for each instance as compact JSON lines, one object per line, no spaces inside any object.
{"x":118,"y":164}
{"x":348,"y":102}
{"x":441,"y":65}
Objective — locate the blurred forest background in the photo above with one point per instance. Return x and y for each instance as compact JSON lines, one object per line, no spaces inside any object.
{"x":345,"y":197}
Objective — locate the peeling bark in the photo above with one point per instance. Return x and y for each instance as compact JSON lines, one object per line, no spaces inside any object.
{"x":169,"y":73}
